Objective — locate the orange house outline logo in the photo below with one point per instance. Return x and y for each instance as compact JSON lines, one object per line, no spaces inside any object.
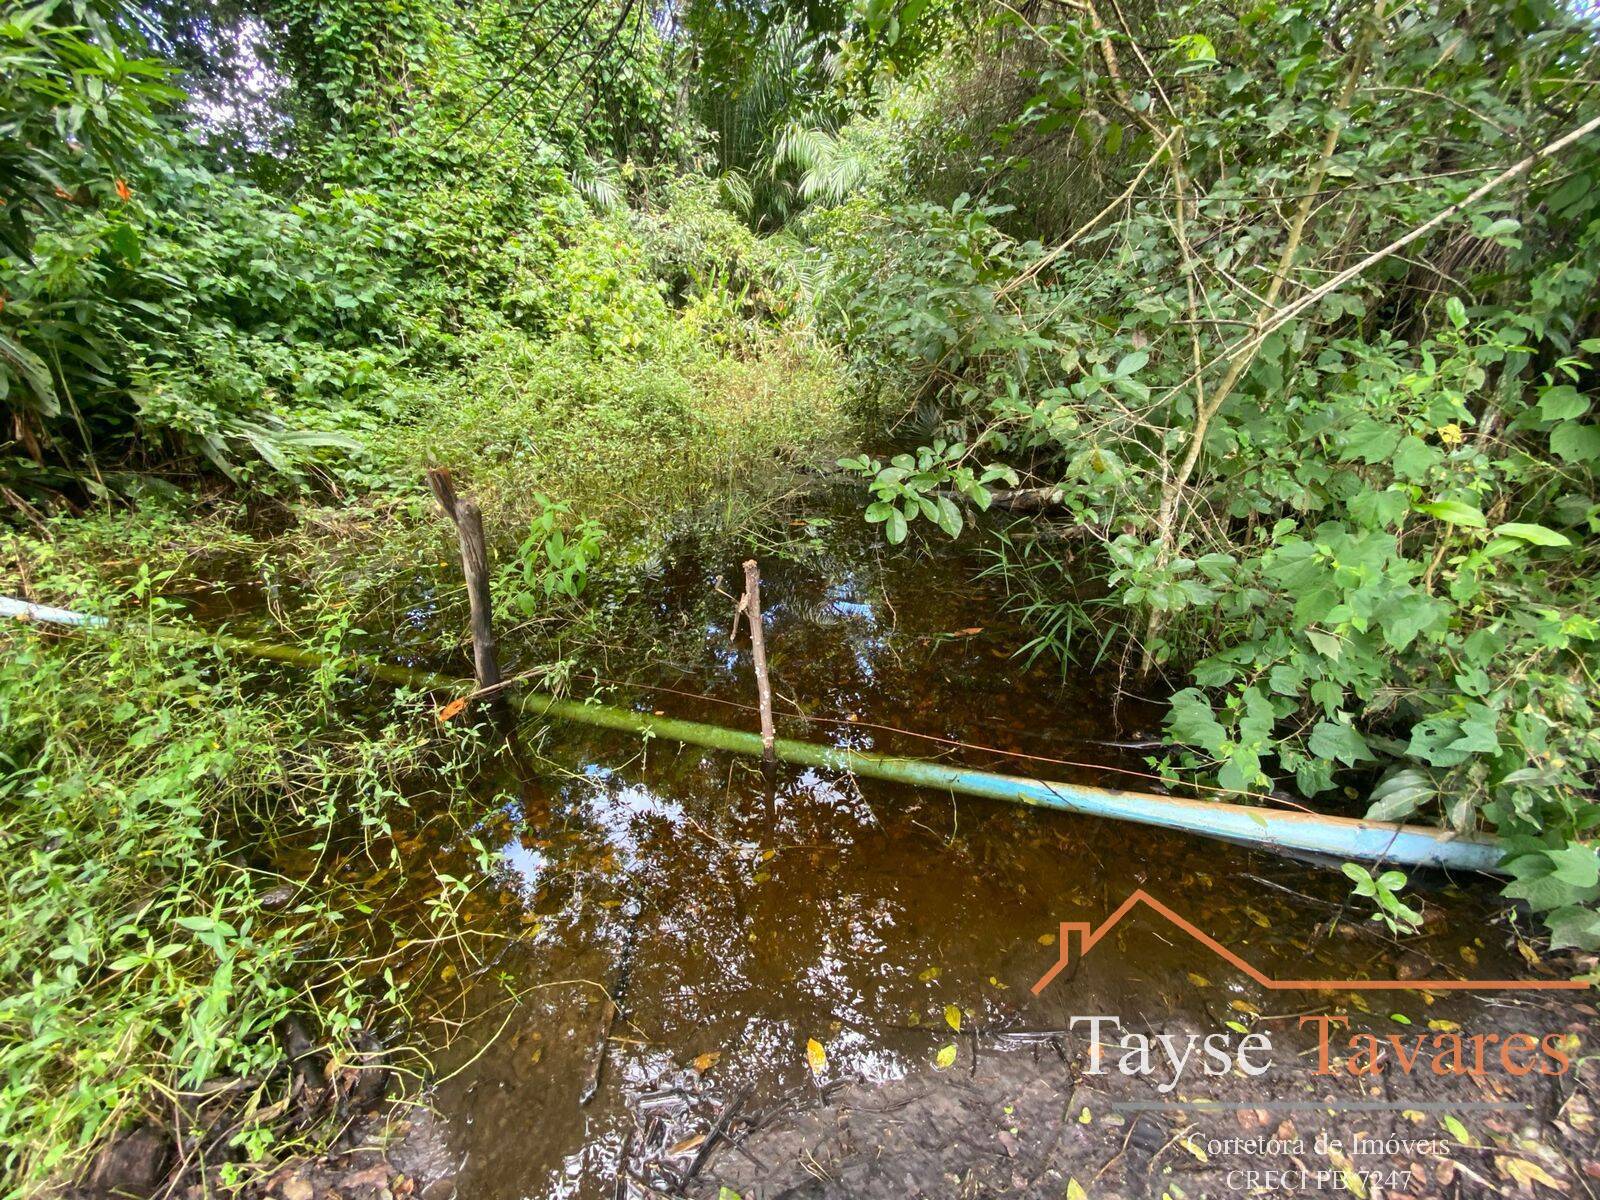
{"x":1089,"y":936}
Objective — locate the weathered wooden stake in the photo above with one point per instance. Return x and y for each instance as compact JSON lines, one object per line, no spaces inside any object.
{"x":758,"y":652}
{"x":468,"y":521}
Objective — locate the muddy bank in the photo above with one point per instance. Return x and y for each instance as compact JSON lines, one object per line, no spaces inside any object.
{"x":1030,"y":1124}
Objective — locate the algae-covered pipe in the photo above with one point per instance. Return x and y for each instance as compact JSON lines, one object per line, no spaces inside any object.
{"x":1339,"y":837}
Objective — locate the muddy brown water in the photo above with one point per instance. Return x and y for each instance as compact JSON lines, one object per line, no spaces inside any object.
{"x":736,"y":918}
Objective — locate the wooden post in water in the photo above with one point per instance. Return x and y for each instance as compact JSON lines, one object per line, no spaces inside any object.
{"x":758,"y":652}
{"x":468,"y":521}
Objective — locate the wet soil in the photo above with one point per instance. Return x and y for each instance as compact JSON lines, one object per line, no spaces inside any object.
{"x":821,"y":984}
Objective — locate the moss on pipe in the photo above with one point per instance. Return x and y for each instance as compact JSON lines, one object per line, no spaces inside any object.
{"x":1338,"y":837}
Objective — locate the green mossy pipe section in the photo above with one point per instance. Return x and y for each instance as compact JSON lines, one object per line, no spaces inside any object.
{"x":1338,"y":837}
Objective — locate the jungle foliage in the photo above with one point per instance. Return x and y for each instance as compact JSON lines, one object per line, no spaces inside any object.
{"x":1298,"y":312}
{"x":284,"y":256}
{"x":1290,"y":310}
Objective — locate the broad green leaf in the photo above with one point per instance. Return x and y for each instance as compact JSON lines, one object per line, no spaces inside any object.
{"x":949,"y":516}
{"x":1575,"y":865}
{"x":1575,"y":927}
{"x":1574,"y":441}
{"x":1191,"y":721}
{"x":1562,"y":403}
{"x":1399,"y":795}
{"x":1455,"y":512}
{"x":1538,"y":535}
{"x":1335,"y":740}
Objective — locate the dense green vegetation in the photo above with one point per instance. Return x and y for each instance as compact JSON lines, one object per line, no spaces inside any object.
{"x":1298,"y":314}
{"x":1291,"y":312}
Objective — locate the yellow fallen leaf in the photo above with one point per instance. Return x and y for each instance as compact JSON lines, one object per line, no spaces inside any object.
{"x":704,"y":1062}
{"x":816,"y":1056}
{"x":945,"y":1057}
{"x":1075,"y":1190}
{"x":1047,"y":939}
{"x":1526,"y":1173}
{"x":1084,"y":1117}
{"x":952,"y":1017}
{"x":1440,"y":1025}
{"x":1352,"y":1177}
{"x":1469,"y":956}
{"x":929,"y":975}
{"x":1198,"y":979}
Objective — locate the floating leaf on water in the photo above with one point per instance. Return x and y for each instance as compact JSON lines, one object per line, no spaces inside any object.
{"x":1400,"y":1018}
{"x":1237,"y":1026}
{"x":1047,"y":939}
{"x":816,"y":1056}
{"x":1198,"y":979}
{"x":706,"y":1061}
{"x":945,"y":1057}
{"x":1440,"y":1025}
{"x":1244,"y":1006}
{"x":1075,"y":1190}
{"x":1469,"y":956}
{"x":993,"y":982}
{"x":952,"y":1017}
{"x":929,"y":975}
{"x":1085,"y":1116}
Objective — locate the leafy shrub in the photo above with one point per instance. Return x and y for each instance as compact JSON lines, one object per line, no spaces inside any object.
{"x":1356,"y":504}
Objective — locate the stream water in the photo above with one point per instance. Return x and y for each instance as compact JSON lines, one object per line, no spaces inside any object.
{"x":736,"y":918}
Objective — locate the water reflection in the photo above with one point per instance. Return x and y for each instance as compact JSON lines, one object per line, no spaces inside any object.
{"x":734,"y":921}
